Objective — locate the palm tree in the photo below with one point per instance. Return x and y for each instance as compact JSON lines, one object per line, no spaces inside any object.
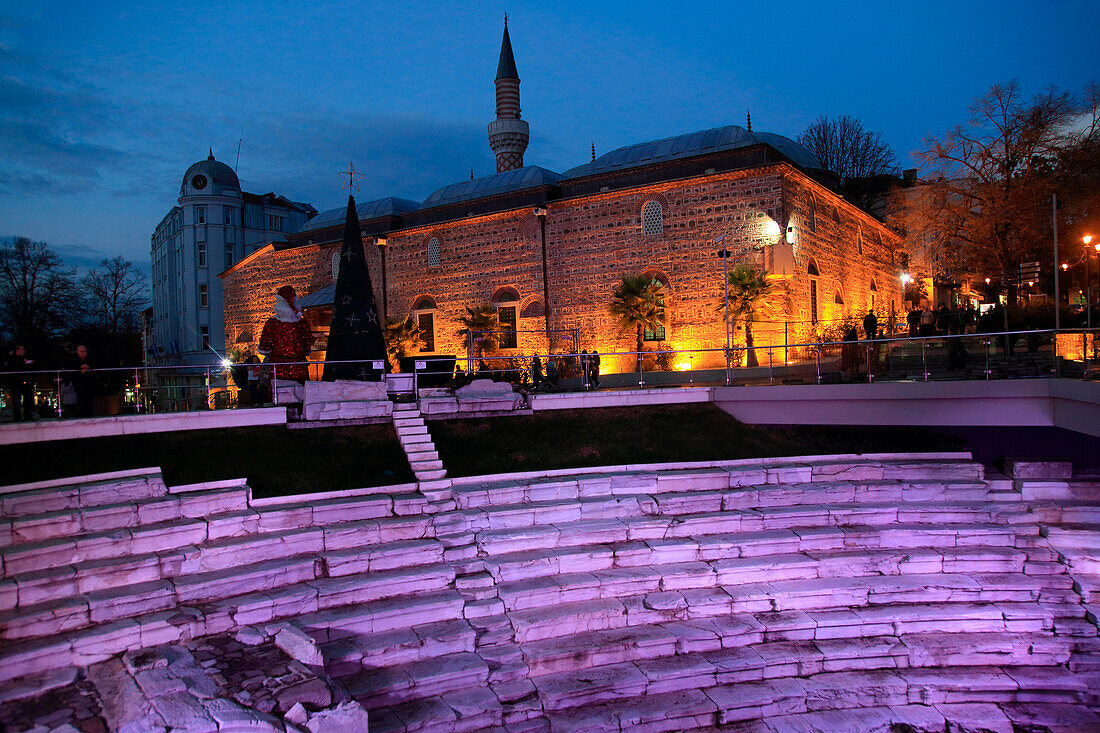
{"x":403,"y":337}
{"x":639,"y":303}
{"x":483,"y":324}
{"x":748,"y":287}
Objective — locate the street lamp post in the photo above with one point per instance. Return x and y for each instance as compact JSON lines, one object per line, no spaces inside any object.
{"x":1087,"y":239}
{"x":725,"y":255}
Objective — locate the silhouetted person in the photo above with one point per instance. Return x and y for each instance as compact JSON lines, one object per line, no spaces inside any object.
{"x":20,"y":386}
{"x":83,"y":382}
{"x":913,"y":319}
{"x":927,"y":322}
{"x":551,"y":373}
{"x":594,"y":363}
{"x":870,"y":325}
{"x":536,"y":372}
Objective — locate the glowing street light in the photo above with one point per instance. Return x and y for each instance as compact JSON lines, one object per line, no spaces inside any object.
{"x":906,"y":278}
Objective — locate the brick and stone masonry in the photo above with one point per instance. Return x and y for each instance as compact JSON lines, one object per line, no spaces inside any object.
{"x":594,"y":240}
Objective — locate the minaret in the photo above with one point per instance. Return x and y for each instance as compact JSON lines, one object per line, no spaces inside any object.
{"x":508,"y":134}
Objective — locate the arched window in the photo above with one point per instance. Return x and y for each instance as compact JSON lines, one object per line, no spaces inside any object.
{"x":653,"y":221}
{"x":811,"y":219}
{"x":433,"y":252}
{"x":859,"y":239}
{"x":874,"y":290}
{"x":814,"y":273}
{"x":838,"y":298}
{"x":658,"y":334}
{"x":424,"y":311}
{"x":505,"y":300}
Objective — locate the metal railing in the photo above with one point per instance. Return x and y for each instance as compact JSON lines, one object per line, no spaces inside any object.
{"x":1014,"y":354}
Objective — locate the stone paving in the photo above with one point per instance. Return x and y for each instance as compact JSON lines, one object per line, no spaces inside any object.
{"x":820,"y":593}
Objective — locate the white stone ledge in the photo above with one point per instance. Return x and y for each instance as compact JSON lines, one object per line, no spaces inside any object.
{"x":90,"y":478}
{"x":100,"y":427}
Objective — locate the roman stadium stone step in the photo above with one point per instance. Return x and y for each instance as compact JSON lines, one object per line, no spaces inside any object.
{"x":643,"y":598}
{"x":69,"y":494}
{"x":106,"y":517}
{"x":348,"y":655}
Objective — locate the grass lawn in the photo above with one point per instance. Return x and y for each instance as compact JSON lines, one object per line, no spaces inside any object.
{"x":610,"y":436}
{"x":276,"y":461}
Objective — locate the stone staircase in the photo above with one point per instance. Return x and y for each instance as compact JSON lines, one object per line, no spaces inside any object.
{"x":817,"y":593}
{"x":414,"y":437}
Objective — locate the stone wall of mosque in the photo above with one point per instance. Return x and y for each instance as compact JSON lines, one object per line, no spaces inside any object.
{"x":666,"y":230}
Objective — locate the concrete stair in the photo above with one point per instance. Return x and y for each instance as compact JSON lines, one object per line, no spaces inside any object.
{"x":796,"y":592}
{"x":412,"y":432}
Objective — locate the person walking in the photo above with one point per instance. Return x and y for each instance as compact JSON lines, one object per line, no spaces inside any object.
{"x":20,"y":386}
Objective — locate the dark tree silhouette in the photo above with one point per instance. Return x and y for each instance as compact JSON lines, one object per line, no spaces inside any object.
{"x":39,"y":298}
{"x":845,"y":148}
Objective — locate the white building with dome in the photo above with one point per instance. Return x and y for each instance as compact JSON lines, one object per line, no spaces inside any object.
{"x":214,"y":225}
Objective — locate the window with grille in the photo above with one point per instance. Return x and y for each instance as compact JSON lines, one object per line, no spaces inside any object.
{"x":204,"y":297}
{"x":426,"y":322}
{"x":507,"y":316}
{"x":813,"y":301}
{"x":652,"y":218}
{"x":433,"y":252}
{"x":657,"y":334}
{"x":201,"y":252}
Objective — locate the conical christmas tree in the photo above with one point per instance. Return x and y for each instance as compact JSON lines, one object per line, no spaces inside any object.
{"x":356,"y":333}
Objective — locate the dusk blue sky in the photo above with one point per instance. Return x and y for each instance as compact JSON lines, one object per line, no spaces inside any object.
{"x":103,"y":105}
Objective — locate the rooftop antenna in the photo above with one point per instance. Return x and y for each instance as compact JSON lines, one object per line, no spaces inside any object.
{"x":237,"y":164}
{"x":748,"y":120}
{"x":471,"y":174}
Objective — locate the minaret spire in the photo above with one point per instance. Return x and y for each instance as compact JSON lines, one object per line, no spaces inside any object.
{"x":748,"y":120}
{"x":508,"y":134}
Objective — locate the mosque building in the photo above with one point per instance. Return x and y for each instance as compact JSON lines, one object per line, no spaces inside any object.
{"x":546,"y":249}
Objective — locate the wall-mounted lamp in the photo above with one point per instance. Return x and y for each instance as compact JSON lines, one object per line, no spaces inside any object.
{"x":540,"y":212}
{"x":381,"y":241}
{"x":772,"y":229}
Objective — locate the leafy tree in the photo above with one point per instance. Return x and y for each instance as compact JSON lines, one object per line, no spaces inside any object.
{"x":747,"y":287}
{"x":845,"y":148}
{"x":403,"y":337}
{"x":483,"y":324}
{"x":38,"y":295}
{"x":986,"y":205}
{"x":639,"y":304}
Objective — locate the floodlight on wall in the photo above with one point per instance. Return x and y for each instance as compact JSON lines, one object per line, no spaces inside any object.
{"x":772,"y":228}
{"x":381,"y":241}
{"x":540,"y":212}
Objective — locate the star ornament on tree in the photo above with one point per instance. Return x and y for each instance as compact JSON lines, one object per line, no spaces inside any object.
{"x":353,"y":176}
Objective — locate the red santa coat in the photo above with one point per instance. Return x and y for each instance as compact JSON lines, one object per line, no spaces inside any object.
{"x":286,"y":337}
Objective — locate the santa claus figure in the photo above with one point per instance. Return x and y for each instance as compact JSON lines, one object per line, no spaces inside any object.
{"x":286,"y":337}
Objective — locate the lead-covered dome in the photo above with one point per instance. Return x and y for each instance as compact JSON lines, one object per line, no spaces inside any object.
{"x":209,"y":177}
{"x":692,"y":144}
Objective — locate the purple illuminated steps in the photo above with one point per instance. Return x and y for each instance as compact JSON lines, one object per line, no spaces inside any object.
{"x":652,"y":598}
